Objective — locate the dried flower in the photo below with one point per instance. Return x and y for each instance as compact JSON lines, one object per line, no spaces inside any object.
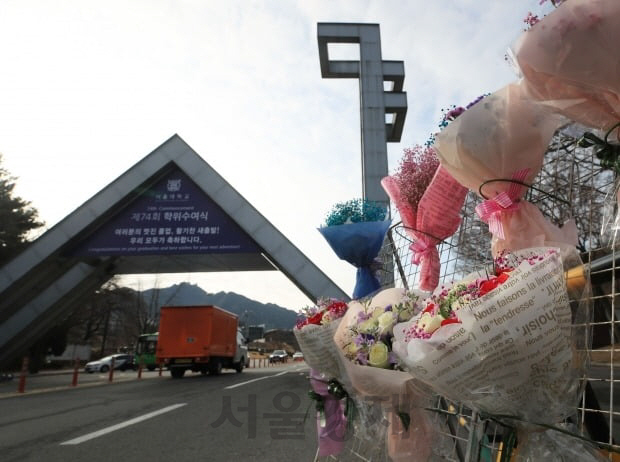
{"x":355,"y":211}
{"x":531,"y":19}
{"x":415,"y":172}
{"x":451,"y":113}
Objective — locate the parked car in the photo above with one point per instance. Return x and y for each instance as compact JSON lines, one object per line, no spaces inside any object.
{"x":278,"y":356}
{"x":298,"y":356}
{"x":121,"y":362}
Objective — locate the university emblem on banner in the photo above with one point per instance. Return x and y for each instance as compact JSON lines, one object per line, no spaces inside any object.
{"x":174,"y":185}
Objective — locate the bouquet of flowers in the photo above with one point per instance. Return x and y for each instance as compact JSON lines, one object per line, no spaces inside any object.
{"x":569,"y":61}
{"x":355,"y":230}
{"x":314,"y":331}
{"x":496,"y":148}
{"x":371,"y":372}
{"x":428,"y":200}
{"x":507,"y":344}
{"x":366,"y":337}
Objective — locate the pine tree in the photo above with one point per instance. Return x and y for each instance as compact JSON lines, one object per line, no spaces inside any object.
{"x":17,"y":218}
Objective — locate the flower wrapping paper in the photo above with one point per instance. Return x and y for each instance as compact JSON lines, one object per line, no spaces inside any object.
{"x":396,"y":391}
{"x":502,"y":136}
{"x":514,"y":352}
{"x":437,"y":218}
{"x":315,"y":332}
{"x":359,"y":244}
{"x":320,"y":351}
{"x":569,"y":61}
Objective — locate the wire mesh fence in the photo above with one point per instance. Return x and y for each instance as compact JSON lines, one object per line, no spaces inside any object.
{"x":571,"y":185}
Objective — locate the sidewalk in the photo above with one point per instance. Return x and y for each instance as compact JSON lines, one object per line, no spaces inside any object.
{"x":53,"y":380}
{"x":61,"y":379}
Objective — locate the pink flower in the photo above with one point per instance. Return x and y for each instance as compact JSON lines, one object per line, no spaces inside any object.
{"x":415,"y":172}
{"x":454,"y":113}
{"x":531,"y":19}
{"x":337,"y":309}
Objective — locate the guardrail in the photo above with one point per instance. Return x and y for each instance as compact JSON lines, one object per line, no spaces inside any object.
{"x":260,"y":362}
{"x":25,"y":380}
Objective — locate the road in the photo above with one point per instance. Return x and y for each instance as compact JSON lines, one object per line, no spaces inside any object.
{"x":254,"y":416}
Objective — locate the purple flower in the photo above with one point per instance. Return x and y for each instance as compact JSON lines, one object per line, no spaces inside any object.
{"x":361,"y":316}
{"x":476,"y":101}
{"x":312,"y":311}
{"x":363,"y":339}
{"x":362,"y":358}
{"x":388,"y":308}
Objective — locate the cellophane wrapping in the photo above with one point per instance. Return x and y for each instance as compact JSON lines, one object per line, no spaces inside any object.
{"x":569,"y":59}
{"x":434,"y":219}
{"x":320,"y":351}
{"x":359,"y":244}
{"x":518,"y":350}
{"x":553,"y":446}
{"x":611,"y":216}
{"x":498,"y":141}
{"x":389,"y":391}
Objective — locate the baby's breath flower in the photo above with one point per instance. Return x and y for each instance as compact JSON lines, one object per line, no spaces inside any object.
{"x":415,"y":172}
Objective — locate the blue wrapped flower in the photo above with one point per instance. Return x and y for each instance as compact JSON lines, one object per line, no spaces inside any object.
{"x":355,"y":231}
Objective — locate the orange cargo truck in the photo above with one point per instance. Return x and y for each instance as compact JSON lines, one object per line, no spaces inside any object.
{"x":201,"y":338}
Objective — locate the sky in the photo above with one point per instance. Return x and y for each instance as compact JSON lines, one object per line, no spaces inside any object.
{"x":88,"y":88}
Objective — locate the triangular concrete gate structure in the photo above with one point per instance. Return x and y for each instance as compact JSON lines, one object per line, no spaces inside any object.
{"x":170,"y":212}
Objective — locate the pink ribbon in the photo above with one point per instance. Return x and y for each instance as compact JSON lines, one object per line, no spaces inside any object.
{"x":421,"y":250}
{"x":426,"y":255}
{"x":491,"y":210}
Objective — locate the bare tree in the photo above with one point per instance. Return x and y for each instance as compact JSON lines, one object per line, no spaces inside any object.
{"x":104,"y":320}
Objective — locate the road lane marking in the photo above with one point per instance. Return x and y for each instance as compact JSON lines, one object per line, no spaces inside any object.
{"x":136,"y":420}
{"x":253,"y":380}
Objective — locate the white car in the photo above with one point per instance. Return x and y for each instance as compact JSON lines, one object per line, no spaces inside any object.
{"x":298,"y":356}
{"x":121,"y":362}
{"x":278,"y":356}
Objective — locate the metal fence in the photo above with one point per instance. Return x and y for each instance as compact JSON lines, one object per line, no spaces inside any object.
{"x":572,"y":184}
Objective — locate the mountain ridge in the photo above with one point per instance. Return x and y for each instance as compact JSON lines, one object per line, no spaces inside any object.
{"x":250,"y":311}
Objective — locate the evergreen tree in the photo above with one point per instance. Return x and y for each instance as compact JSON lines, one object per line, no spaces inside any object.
{"x":17,"y":218}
